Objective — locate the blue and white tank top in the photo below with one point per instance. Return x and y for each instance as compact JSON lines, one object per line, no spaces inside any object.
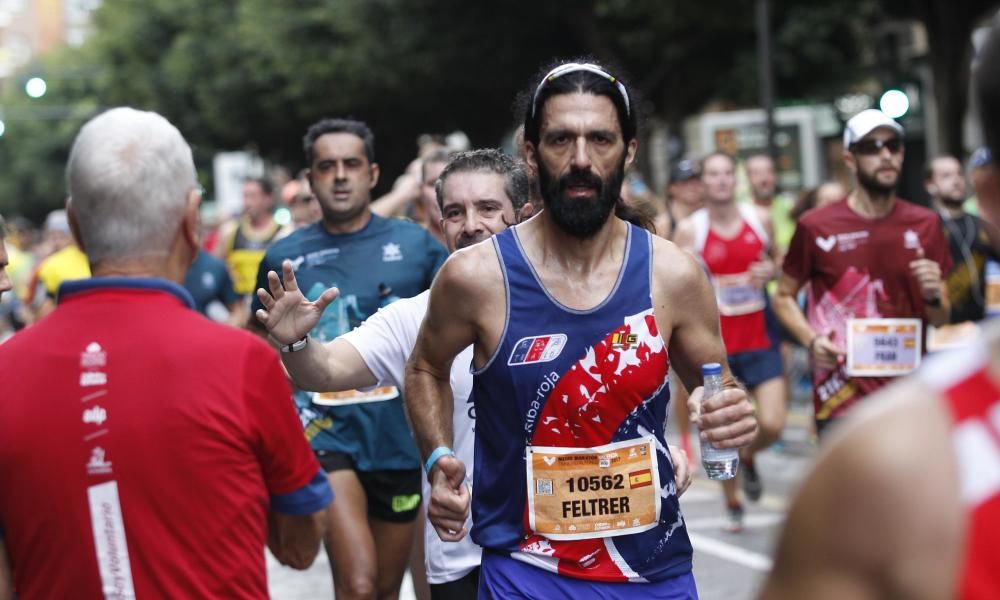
{"x":565,"y":379}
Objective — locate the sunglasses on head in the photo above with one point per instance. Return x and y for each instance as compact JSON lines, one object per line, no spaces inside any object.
{"x":870,"y":147}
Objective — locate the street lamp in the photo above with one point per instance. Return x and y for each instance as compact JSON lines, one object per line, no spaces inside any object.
{"x":894,"y":103}
{"x":35,"y":87}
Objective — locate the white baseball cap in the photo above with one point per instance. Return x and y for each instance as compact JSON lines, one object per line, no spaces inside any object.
{"x":865,"y":122}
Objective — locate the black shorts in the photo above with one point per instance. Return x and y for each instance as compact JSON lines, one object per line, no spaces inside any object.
{"x":466,"y":588}
{"x":393,"y":495}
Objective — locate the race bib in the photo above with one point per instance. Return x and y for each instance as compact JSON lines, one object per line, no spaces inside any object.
{"x":581,"y":493}
{"x":737,"y":295}
{"x":378,"y":394}
{"x":949,"y":337}
{"x":882,"y":347}
{"x":992,"y":295}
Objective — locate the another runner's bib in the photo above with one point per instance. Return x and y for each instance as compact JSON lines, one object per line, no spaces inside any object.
{"x":737,"y":295}
{"x":883,"y":347}
{"x":581,"y":493}
{"x":378,"y":394}
{"x":950,"y":337}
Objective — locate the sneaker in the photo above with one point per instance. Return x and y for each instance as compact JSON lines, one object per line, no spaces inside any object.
{"x":735,"y":524}
{"x":752,"y":485}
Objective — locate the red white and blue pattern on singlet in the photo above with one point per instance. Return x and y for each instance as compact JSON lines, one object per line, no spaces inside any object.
{"x":973,"y":397}
{"x":562,"y":377}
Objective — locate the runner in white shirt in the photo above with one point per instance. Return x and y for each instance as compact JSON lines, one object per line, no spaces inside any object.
{"x":480,"y":193}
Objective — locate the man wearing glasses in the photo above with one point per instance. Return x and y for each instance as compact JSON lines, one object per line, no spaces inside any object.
{"x":874,"y":265}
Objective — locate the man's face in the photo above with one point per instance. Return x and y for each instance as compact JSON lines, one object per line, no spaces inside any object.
{"x":719,"y":178}
{"x":5,"y":284}
{"x":428,"y":196}
{"x":580,"y":160}
{"x":762,"y":177}
{"x":341,"y":176}
{"x":304,"y":209}
{"x":255,"y":201}
{"x":475,"y":207}
{"x":947,"y":182}
{"x":689,"y":193}
{"x":877,"y":169}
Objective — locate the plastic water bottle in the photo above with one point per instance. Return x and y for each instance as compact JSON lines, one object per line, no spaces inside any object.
{"x":719,"y":463}
{"x":992,"y":288}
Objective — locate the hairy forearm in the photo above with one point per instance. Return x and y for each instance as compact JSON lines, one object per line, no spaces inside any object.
{"x":331,"y":367}
{"x":429,"y":405}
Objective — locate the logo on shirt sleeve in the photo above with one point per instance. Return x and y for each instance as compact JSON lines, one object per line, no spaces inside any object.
{"x":537,"y":349}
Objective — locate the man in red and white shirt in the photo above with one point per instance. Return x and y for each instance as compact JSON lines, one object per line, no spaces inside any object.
{"x":874,"y":264}
{"x":144,"y":450}
{"x":905,"y":502}
{"x":734,"y":244}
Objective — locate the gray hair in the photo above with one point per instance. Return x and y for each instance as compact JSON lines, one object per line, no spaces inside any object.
{"x":129,"y":174}
{"x":492,"y":161}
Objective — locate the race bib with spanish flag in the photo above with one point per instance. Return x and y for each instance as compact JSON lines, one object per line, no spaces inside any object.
{"x":581,"y":493}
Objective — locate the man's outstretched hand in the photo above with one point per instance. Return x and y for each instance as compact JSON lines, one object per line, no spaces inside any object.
{"x":287,"y":314}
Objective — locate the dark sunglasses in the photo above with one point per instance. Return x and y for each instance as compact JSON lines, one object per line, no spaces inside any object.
{"x":869,"y":147}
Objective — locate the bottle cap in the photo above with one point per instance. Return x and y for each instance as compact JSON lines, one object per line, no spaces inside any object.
{"x":711,"y":369}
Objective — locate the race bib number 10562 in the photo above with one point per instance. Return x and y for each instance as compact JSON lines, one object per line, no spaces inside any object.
{"x":578,"y":493}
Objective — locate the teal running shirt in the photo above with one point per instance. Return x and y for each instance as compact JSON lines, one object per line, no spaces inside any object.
{"x":387,"y":260}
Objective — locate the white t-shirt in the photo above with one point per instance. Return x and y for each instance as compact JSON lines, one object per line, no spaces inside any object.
{"x":385,"y":342}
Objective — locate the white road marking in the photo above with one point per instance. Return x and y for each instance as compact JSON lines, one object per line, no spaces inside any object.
{"x":750,"y":521}
{"x":720,"y":549}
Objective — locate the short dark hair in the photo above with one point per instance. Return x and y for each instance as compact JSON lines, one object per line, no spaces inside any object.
{"x":929,"y":169}
{"x":492,"y":161}
{"x":584,"y":81}
{"x":265,"y":184}
{"x":327,"y":125}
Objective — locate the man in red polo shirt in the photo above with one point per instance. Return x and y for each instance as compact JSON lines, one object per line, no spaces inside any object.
{"x":145,"y":451}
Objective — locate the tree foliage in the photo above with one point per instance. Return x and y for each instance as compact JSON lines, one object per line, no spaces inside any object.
{"x":253,"y":74}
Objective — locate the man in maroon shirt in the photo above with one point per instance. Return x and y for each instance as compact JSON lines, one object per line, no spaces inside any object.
{"x":874,"y":266}
{"x":144,"y":450}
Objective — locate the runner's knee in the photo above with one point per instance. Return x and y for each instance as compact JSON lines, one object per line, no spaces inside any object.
{"x":356,"y":585}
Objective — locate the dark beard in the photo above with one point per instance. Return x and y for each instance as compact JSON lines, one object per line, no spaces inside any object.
{"x":874,"y":187}
{"x":581,"y":218}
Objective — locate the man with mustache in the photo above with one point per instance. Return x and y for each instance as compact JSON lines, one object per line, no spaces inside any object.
{"x":572,"y":316}
{"x":867,"y":258}
{"x":361,"y":438}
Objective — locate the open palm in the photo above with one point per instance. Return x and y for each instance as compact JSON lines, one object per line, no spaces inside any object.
{"x":287,"y":314}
